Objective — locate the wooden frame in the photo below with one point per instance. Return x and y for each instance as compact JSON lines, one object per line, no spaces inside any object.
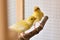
{"x":19,"y":9}
{"x":3,"y":16}
{"x":3,"y":20}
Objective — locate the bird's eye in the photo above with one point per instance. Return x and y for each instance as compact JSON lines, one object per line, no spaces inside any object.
{"x":31,"y":18}
{"x":37,"y":8}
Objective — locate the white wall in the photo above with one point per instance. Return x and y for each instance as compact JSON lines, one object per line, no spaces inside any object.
{"x":50,"y":8}
{"x":12,"y":11}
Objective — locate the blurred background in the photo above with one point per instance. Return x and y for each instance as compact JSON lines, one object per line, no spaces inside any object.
{"x":51,"y":8}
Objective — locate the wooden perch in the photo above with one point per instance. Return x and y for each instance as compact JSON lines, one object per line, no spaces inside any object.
{"x":27,"y":36}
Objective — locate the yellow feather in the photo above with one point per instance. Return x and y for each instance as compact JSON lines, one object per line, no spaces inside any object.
{"x":38,"y":14}
{"x":23,"y":25}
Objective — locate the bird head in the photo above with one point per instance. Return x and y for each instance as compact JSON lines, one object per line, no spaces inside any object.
{"x":31,"y":19}
{"x":36,"y":8}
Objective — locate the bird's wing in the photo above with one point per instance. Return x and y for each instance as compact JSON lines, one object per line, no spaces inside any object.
{"x":20,"y":26}
{"x":17,"y":28}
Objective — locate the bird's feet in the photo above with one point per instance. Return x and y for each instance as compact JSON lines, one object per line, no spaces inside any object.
{"x":34,"y":26}
{"x":21,"y":34}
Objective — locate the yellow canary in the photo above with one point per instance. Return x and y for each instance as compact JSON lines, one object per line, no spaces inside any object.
{"x":23,"y":25}
{"x":37,"y":13}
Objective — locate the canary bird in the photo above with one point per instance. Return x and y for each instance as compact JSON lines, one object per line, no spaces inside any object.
{"x":38,"y":14}
{"x":23,"y":25}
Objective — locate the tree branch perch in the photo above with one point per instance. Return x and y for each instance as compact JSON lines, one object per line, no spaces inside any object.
{"x":27,"y":36}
